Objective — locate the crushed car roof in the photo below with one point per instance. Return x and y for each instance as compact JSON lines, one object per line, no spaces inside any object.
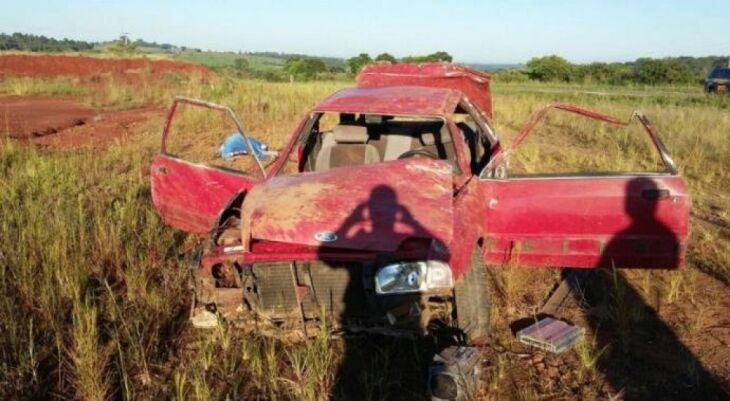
{"x":393,"y":100}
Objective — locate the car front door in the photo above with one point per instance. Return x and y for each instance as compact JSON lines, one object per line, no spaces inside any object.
{"x":190,"y":195}
{"x":618,"y":219}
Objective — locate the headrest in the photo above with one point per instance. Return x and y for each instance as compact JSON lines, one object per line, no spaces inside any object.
{"x":429,"y":138}
{"x":350,"y":134}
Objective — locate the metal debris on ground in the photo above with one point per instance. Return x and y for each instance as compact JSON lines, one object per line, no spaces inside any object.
{"x":454,"y":374}
{"x":551,"y":335}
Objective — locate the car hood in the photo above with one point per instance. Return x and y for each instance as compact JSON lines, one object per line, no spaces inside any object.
{"x":370,"y":207}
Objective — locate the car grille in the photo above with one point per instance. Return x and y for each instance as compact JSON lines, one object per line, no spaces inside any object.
{"x":335,"y":288}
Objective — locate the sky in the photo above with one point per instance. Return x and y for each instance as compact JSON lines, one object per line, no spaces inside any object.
{"x":497,"y":31}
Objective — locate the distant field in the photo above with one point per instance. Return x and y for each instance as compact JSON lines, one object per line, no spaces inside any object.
{"x":218,"y":59}
{"x":94,"y":300}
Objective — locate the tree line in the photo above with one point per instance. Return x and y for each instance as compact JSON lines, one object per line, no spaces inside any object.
{"x":356,"y":63}
{"x":647,"y":71}
{"x":39,"y":43}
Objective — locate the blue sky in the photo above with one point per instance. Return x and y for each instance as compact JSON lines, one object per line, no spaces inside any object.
{"x":497,"y":31}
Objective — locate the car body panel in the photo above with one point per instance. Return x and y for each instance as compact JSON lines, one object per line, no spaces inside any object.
{"x":587,"y":221}
{"x":190,"y":196}
{"x":370,"y":207}
{"x":392,"y":100}
{"x":473,"y":84}
{"x":600,"y":220}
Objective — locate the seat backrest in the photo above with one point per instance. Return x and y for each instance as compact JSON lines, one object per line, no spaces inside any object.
{"x":350,"y":148}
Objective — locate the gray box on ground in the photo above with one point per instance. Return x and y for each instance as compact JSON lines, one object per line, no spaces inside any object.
{"x":551,"y":335}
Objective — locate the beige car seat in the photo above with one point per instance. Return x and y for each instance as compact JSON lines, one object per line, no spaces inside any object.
{"x":350,"y":148}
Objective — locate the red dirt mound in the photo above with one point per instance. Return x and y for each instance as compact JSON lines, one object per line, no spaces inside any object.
{"x":26,"y":117}
{"x":87,"y":67}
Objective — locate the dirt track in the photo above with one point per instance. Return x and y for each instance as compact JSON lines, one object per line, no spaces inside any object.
{"x":31,"y":117}
{"x":92,"y":67}
{"x":66,"y":123}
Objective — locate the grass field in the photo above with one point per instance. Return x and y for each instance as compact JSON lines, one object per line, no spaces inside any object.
{"x":94,"y":300}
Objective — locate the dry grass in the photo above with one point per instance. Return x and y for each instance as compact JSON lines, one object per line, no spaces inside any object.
{"x":93,"y":295}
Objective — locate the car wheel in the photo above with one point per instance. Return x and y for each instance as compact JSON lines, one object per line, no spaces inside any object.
{"x":473,"y":303}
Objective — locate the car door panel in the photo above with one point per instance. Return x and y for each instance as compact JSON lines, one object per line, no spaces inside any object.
{"x":190,"y":196}
{"x":584,"y":220}
{"x":587,"y":221}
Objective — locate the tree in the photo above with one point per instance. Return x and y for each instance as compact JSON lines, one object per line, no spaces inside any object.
{"x":240,"y":64}
{"x":385,"y":58}
{"x":439,"y":56}
{"x":304,"y":67}
{"x":661,"y":71}
{"x":550,"y":68}
{"x":356,"y":63}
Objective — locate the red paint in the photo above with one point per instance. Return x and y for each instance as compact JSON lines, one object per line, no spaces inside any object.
{"x":384,"y":208}
{"x":572,"y":221}
{"x":392,"y":100}
{"x":190,"y":196}
{"x":473,"y":84}
{"x":367,"y":207}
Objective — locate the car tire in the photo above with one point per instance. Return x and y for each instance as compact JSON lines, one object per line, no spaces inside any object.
{"x":473,"y":303}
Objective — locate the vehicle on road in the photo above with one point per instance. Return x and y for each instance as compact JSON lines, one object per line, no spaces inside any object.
{"x":389,"y":201}
{"x":718,"y":80}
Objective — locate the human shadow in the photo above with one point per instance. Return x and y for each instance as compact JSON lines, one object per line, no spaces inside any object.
{"x":375,"y":366}
{"x":640,"y":355}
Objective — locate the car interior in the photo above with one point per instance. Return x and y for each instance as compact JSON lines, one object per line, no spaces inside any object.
{"x":364,"y":139}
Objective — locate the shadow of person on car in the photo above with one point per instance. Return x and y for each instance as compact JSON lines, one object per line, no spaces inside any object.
{"x":638,"y":353}
{"x":374,"y":366}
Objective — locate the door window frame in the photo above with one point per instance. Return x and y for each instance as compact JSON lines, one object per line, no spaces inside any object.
{"x":214,"y":106}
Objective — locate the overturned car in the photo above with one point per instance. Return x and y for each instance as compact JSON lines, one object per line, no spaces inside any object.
{"x":389,"y":201}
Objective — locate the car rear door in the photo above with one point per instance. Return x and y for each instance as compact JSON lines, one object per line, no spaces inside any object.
{"x":585,"y":220}
{"x":189,"y":195}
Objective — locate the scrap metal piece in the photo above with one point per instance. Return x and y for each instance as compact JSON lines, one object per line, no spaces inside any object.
{"x":551,"y":335}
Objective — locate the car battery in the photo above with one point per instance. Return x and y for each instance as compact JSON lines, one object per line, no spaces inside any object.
{"x":454,"y":374}
{"x":550,"y":335}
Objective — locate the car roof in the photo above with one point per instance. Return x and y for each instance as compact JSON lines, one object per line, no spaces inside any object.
{"x":393,"y":100}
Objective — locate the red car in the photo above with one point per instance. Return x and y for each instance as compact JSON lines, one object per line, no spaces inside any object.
{"x":390,"y":199}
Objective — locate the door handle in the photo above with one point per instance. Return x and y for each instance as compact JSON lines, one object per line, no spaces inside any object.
{"x":162,"y":170}
{"x":655,"y":194}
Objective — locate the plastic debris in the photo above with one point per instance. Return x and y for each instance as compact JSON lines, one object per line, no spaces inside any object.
{"x":235,"y":145}
{"x":204,"y":319}
{"x":454,"y":374}
{"x":551,"y":335}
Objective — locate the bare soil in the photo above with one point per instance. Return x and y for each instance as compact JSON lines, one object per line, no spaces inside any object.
{"x":92,"y":67}
{"x":66,"y":123}
{"x":32,"y":117}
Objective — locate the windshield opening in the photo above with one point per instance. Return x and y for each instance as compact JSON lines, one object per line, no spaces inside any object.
{"x":335,"y":140}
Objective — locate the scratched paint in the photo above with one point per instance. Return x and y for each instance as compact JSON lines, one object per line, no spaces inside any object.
{"x":369,"y":207}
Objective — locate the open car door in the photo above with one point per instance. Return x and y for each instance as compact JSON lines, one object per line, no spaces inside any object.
{"x":585,"y":220}
{"x":188,"y":195}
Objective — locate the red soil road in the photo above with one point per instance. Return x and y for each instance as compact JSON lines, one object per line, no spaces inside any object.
{"x":30,"y":117}
{"x":65,"y":123}
{"x":87,"y":67}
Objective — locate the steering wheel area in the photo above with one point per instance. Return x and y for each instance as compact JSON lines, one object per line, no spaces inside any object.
{"x":419,"y":152}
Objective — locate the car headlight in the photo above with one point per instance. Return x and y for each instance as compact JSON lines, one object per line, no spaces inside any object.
{"x":405,"y":277}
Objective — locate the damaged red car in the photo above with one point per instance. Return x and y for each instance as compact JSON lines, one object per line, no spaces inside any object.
{"x":389,"y":201}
